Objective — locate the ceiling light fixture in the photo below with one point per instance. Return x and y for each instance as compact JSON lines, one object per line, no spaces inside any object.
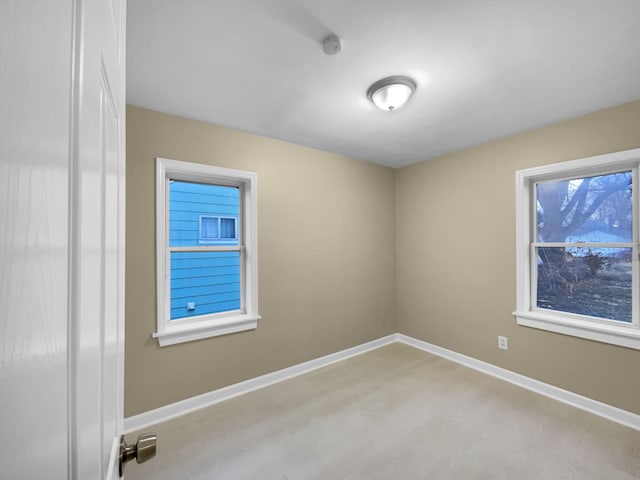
{"x":392,"y":92}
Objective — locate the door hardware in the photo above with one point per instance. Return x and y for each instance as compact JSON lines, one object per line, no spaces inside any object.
{"x":144,"y":449}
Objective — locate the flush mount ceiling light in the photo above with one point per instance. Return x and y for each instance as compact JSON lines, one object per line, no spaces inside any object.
{"x":392,"y":92}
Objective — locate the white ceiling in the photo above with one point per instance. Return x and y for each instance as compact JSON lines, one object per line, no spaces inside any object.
{"x":485,"y":69}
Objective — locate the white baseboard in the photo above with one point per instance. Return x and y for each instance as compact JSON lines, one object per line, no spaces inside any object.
{"x":584,"y":403}
{"x":162,"y":414}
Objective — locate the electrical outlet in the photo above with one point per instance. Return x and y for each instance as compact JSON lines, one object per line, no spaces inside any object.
{"x":503,"y":343}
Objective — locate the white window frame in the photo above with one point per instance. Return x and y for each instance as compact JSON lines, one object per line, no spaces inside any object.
{"x":170,"y":332}
{"x":583,"y":326}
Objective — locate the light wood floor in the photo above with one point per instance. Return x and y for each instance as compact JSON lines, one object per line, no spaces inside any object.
{"x":393,"y":413}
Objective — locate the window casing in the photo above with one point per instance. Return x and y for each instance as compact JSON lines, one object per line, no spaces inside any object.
{"x":572,"y":276}
{"x":206,"y":251}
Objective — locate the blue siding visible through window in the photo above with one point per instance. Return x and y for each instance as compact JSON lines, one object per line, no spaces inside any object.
{"x":208,"y":280}
{"x":188,"y":201}
{"x":202,"y":282}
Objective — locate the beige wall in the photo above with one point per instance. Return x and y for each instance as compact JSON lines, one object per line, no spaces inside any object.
{"x":331,"y":283}
{"x":326,"y":258}
{"x":455,"y":241}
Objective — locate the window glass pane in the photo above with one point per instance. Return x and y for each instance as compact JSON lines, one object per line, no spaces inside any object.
{"x":586,"y":281}
{"x":189,"y":201}
{"x":590,"y":209}
{"x":228,"y":228}
{"x":204,"y":282}
{"x":209,"y":228}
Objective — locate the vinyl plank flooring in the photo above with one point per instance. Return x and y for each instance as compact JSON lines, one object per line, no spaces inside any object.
{"x":393,"y":413}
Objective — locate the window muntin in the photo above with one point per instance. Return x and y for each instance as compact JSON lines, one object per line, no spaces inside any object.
{"x":577,"y":247}
{"x":206,"y":286}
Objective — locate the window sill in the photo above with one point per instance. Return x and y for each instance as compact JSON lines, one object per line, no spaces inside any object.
{"x":623,"y":336}
{"x":174,"y":334}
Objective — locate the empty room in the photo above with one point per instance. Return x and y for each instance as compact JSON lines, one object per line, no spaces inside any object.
{"x":296,"y":239}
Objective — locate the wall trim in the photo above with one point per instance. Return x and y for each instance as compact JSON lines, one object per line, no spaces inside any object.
{"x":183,"y":407}
{"x":604,"y":410}
{"x":173,"y":410}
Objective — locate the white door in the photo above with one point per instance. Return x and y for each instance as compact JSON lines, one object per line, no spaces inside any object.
{"x":62,"y":130}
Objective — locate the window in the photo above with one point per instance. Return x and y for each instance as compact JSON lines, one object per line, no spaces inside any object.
{"x":217,"y":229}
{"x":577,"y":248}
{"x":206,"y":219}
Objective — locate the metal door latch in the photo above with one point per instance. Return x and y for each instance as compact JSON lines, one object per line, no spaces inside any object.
{"x":143,"y":450}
